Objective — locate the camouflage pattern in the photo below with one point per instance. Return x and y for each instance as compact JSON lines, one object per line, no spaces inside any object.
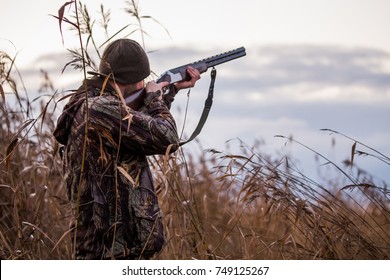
{"x":116,"y":214}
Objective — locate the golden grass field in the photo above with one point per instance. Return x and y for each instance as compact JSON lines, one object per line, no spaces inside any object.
{"x":219,"y":205}
{"x":224,"y":207}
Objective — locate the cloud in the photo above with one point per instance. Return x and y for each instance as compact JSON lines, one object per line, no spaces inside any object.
{"x":325,"y":64}
{"x":312,"y":74}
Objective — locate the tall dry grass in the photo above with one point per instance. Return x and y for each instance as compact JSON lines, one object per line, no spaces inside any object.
{"x":219,"y":205}
{"x":34,"y":211}
{"x":248,"y":206}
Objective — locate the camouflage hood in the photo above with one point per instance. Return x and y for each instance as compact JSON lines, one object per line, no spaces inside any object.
{"x":64,"y":123}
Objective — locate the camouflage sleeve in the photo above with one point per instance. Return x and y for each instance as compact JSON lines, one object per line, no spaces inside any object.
{"x":146,"y":132}
{"x":170,"y":96}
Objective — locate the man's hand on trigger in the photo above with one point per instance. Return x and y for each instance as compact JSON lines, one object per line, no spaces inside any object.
{"x":194,"y":74}
{"x":152,"y":86}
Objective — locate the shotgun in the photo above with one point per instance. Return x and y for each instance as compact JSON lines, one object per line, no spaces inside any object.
{"x":135,"y":101}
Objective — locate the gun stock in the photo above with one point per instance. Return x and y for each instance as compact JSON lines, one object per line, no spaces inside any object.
{"x":135,"y":101}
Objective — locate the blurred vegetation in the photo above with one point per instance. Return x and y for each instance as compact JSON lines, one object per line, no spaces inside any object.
{"x":220,"y":205}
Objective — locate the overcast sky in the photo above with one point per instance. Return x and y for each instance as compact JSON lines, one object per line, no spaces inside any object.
{"x":311,"y":64}
{"x":205,"y":23}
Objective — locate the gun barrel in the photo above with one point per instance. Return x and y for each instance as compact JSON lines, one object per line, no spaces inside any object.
{"x":224,"y":57}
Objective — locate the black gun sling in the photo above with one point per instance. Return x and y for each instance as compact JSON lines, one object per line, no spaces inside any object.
{"x":207,"y":106}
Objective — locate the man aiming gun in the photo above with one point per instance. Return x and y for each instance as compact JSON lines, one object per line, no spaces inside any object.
{"x":109,"y":126}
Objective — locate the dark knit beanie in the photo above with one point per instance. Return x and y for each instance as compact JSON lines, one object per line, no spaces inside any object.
{"x":125,"y":60}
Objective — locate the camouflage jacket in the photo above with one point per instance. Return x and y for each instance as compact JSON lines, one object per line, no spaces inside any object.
{"x":109,"y":183}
